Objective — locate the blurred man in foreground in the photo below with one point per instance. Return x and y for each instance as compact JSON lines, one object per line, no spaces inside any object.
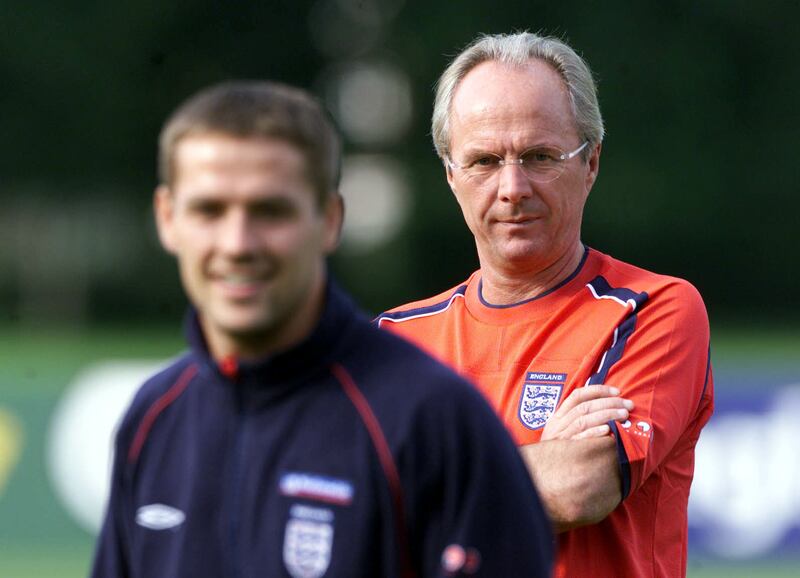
{"x":294,"y":438}
{"x":600,"y":370}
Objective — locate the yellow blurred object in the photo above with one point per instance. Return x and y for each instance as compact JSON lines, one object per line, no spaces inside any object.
{"x":10,"y":445}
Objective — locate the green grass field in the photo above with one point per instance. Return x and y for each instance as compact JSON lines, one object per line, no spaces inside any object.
{"x":39,"y":540}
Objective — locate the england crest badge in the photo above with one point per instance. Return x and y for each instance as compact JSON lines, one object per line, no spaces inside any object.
{"x":308,"y":541}
{"x":540,"y":394}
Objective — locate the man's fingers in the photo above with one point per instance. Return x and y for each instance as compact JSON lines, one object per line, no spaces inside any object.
{"x":584,"y":409}
{"x":593,"y":406}
{"x":590,"y":414}
{"x":593,"y":420}
{"x":593,"y":432}
{"x":584,"y":394}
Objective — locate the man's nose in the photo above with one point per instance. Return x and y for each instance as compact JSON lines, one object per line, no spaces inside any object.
{"x":236,"y":236}
{"x":513,"y":184}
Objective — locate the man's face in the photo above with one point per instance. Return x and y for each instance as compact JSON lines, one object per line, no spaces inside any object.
{"x":519,"y":225}
{"x":243,"y":221}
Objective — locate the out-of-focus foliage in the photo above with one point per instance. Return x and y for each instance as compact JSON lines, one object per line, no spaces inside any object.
{"x":698,"y":175}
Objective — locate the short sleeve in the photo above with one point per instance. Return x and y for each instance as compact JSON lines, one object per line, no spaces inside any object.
{"x":665,"y":369}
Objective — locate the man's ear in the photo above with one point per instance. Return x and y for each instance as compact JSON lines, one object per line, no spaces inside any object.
{"x":594,"y":167}
{"x":450,"y":178}
{"x":334,"y":220}
{"x":164,"y":211}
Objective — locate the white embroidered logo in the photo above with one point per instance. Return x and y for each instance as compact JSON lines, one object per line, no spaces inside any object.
{"x":308,"y":541}
{"x":314,"y":487}
{"x":159,"y":517}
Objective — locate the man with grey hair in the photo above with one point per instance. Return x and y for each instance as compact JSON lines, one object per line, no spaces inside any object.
{"x":600,"y":370}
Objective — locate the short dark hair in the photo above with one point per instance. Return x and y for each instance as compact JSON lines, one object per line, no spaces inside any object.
{"x":258,"y":109}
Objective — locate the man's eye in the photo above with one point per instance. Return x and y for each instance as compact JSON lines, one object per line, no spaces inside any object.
{"x":484,"y":162}
{"x":273,"y":210}
{"x":206,"y":210}
{"x":539,"y":156}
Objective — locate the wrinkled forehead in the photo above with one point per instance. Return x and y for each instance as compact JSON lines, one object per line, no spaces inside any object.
{"x":513,"y":97}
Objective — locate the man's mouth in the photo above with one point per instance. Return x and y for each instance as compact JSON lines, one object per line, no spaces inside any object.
{"x":240,"y":279}
{"x":237,"y":285}
{"x":518,"y":221}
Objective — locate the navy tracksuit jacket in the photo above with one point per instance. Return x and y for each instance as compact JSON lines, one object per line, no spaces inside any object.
{"x":353,"y":455}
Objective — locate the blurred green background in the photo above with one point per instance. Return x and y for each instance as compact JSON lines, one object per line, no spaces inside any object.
{"x":698,"y":176}
{"x":698,"y":179}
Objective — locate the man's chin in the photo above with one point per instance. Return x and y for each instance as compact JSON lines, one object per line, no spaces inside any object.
{"x":241,"y":318}
{"x":522,"y":252}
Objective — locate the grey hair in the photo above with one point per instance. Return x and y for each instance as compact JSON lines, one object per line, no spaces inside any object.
{"x":518,"y":49}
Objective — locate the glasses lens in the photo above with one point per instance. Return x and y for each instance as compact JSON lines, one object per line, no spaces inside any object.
{"x":540,"y":164}
{"x":543,"y":164}
{"x":484,"y":165}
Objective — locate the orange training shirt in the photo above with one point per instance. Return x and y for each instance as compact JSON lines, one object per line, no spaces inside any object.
{"x":608,"y":323}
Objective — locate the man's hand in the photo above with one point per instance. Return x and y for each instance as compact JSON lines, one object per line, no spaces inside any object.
{"x":586,"y":413}
{"x":575,"y":466}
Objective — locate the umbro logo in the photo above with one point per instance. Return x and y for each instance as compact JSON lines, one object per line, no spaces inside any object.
{"x":159,"y":517}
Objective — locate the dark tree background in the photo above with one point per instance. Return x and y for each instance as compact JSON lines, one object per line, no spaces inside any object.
{"x":699,"y":175}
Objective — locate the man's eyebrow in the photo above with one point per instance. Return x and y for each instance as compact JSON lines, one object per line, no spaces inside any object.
{"x":202,"y":199}
{"x":477,"y":149}
{"x":271,"y":201}
{"x":525,"y":146}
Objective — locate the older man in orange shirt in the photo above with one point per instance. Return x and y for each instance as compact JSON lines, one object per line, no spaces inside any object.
{"x":599,"y":369}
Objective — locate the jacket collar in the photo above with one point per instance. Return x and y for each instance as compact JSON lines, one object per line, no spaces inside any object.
{"x":320,"y":348}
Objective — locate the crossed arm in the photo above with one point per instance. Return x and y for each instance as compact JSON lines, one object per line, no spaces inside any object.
{"x":575,"y":466}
